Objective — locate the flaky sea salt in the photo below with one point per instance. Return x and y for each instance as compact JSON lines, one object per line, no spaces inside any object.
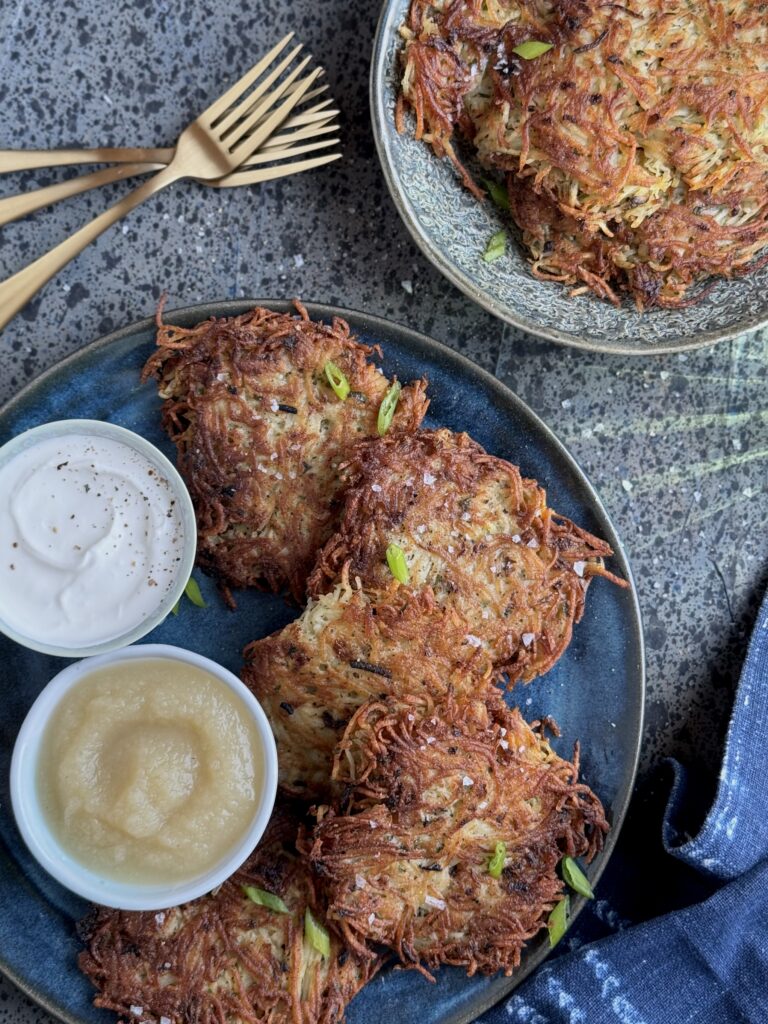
{"x":528,"y":638}
{"x":466,"y":781}
{"x":472,"y":640}
{"x":579,"y":567}
{"x":274,"y":405}
{"x":376,"y":488}
{"x":429,"y":479}
{"x":433,"y":901}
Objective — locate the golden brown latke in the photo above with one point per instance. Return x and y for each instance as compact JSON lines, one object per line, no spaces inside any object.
{"x":431,"y":788}
{"x":223,"y":959}
{"x":635,"y":149}
{"x":260,"y":435}
{"x":346,"y":647}
{"x":477,"y":533}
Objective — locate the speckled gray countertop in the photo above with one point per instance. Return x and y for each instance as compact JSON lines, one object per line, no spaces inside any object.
{"x":676,"y":445}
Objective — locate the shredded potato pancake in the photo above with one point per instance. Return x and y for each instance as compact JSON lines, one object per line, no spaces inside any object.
{"x":223,"y":959}
{"x":430,"y":789}
{"x":347,"y":647}
{"x":261,"y":433}
{"x":472,"y":528}
{"x":635,"y":150}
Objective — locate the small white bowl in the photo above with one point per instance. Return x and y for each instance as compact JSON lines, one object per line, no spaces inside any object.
{"x":178,"y":490}
{"x":44,"y":845}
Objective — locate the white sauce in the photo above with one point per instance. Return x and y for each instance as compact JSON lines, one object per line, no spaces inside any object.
{"x":91,"y":539}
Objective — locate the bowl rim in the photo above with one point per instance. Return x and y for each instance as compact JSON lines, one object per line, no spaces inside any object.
{"x":103,"y":428}
{"x":384,"y":38}
{"x":40,"y":838}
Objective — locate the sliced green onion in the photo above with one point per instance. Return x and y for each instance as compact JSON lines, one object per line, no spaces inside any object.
{"x":265,"y":899}
{"x":337,"y":380}
{"x":576,"y":878}
{"x":531,"y":48}
{"x":496,"y":863}
{"x":496,"y":247}
{"x":558,"y":921}
{"x":387,"y":408}
{"x":397,"y":563}
{"x":497,"y":193}
{"x":175,"y":609}
{"x":192,"y":590}
{"x":316,"y":935}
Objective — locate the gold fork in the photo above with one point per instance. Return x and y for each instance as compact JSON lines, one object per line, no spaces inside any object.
{"x":308,"y":125}
{"x":221,"y":139}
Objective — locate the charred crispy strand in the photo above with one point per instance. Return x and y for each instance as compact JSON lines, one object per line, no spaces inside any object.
{"x":261,"y":434}
{"x":430,"y":789}
{"x":223,"y":959}
{"x":482,"y":537}
{"x":634,"y":149}
{"x":346,"y":647}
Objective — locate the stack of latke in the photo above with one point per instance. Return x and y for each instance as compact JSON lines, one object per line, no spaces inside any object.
{"x":635,"y":149}
{"x":421,"y":818}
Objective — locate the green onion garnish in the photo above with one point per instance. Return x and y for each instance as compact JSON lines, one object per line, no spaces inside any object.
{"x":496,"y":863}
{"x":265,"y":899}
{"x":531,"y":48}
{"x":337,"y":380}
{"x":192,"y":590}
{"x":387,"y":408}
{"x":576,"y":878}
{"x":497,"y":193}
{"x":558,"y":921}
{"x":496,"y":246}
{"x":397,"y":563}
{"x":316,"y":935}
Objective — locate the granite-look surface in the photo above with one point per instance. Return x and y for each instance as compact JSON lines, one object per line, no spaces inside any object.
{"x":676,"y":445}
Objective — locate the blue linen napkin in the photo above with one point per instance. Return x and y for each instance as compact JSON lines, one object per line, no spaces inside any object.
{"x":704,"y":958}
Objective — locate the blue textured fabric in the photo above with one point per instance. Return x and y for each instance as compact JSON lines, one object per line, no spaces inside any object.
{"x":678,"y":932}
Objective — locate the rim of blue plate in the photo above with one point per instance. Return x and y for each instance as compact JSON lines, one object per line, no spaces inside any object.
{"x":189,"y":315}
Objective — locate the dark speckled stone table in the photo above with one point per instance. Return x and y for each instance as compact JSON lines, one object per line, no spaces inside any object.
{"x":676,"y":445}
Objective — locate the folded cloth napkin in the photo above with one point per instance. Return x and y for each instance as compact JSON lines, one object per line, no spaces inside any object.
{"x":706,"y":963}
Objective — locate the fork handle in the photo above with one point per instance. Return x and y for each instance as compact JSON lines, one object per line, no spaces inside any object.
{"x":29,"y":159}
{"x":14,"y":207}
{"x":16,"y":291}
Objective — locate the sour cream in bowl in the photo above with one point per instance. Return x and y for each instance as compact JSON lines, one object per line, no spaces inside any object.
{"x":97,"y":537}
{"x":143,"y":778}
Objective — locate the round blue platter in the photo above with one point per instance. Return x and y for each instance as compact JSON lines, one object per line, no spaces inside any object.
{"x":595,"y":692}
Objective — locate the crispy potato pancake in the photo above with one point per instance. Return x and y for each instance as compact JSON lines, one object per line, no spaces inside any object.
{"x":478,"y":534}
{"x":223,"y":959}
{"x":635,"y":149}
{"x":261,"y":433}
{"x":346,"y":647}
{"x":431,"y":788}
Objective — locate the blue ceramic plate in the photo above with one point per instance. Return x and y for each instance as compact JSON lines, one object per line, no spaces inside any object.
{"x":595,"y":692}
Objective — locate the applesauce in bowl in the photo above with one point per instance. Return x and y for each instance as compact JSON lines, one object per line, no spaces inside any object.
{"x":143,"y":778}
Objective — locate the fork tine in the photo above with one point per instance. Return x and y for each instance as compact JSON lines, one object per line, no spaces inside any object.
{"x":225,"y":123}
{"x":268,"y":156}
{"x":315,"y":115}
{"x":307,"y":97}
{"x":246,"y":117}
{"x":316,"y":92}
{"x":269,"y":173}
{"x":288,"y":138}
{"x":265,"y":127}
{"x":220,"y":105}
